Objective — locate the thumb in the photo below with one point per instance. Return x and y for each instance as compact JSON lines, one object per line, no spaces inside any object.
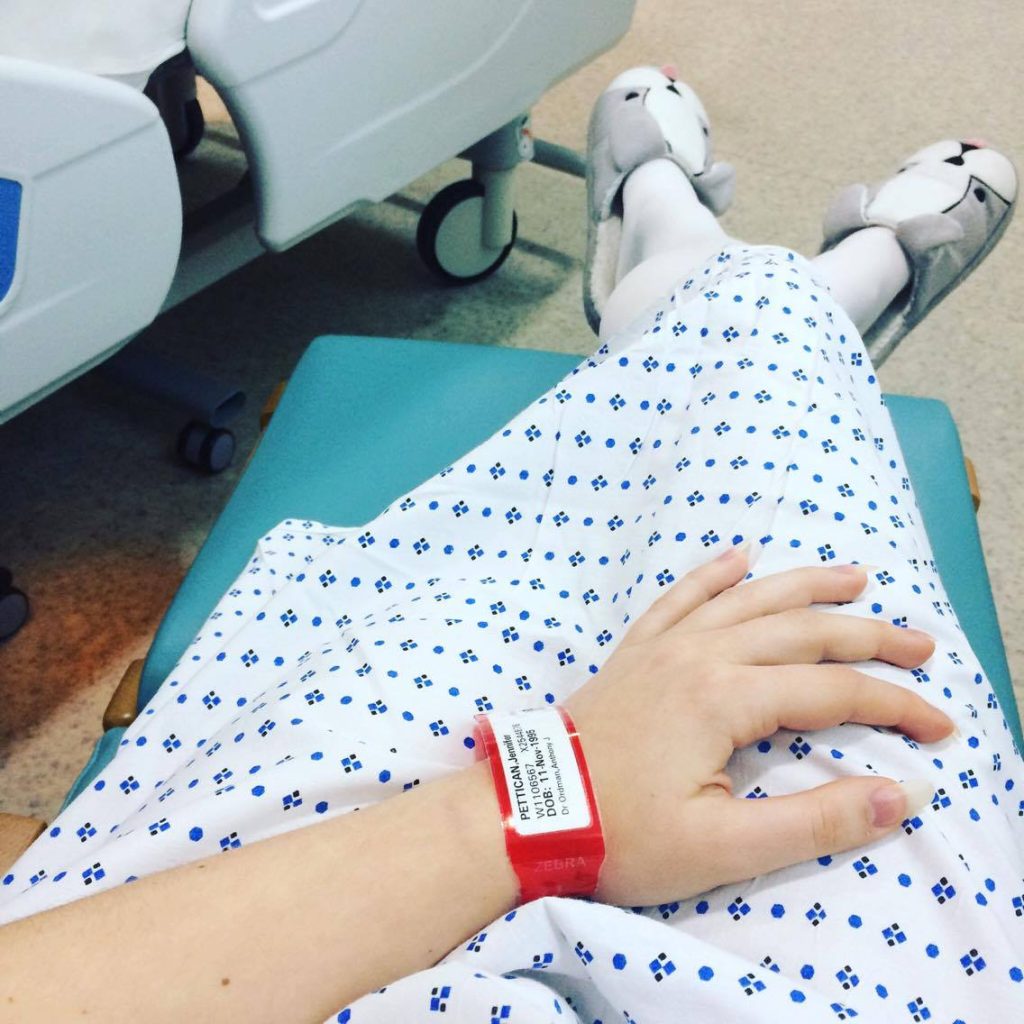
{"x":767,"y":834}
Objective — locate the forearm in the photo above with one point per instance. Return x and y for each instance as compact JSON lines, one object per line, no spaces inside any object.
{"x":385,"y":891}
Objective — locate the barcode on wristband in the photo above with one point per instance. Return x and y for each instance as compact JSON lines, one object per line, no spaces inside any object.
{"x":543,"y":780}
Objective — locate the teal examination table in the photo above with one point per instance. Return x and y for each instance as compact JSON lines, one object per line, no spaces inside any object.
{"x":357,"y":402}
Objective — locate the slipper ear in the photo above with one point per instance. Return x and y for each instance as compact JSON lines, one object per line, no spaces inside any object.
{"x":716,"y":187}
{"x":634,"y":136}
{"x":926,"y":241}
{"x":927,"y":231}
{"x":846,"y":214}
{"x":622,"y":137}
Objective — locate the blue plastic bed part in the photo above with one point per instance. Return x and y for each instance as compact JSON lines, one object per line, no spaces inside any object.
{"x":10,"y":215}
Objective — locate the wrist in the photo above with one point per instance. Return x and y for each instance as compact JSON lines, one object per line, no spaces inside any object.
{"x":546,"y":803}
{"x":469,"y":810}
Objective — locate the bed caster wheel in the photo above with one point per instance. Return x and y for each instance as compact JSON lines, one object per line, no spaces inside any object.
{"x":450,"y":235}
{"x":208,"y":448}
{"x":13,"y":607}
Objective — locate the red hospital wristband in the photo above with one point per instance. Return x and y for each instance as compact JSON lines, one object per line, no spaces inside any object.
{"x":552,"y":827}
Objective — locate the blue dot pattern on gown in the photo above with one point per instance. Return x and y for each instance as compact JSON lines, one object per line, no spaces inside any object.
{"x":346,"y":665}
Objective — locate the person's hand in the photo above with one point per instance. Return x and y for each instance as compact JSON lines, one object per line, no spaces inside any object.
{"x":712,"y":667}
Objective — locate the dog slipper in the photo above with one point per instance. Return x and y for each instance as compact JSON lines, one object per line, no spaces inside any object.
{"x":948,"y":205}
{"x":645,"y":114}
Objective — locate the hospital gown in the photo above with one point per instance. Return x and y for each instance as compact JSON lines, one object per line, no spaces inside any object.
{"x":346,"y":665}
{"x":125,"y":41}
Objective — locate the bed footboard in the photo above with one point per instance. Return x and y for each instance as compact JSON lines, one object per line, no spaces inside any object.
{"x":340,"y":102}
{"x":90,"y":224}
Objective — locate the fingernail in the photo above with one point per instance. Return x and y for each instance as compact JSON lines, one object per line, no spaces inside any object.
{"x":892,"y":803}
{"x":920,"y":633}
{"x":955,"y":736}
{"x":849,"y":570}
{"x":734,"y":552}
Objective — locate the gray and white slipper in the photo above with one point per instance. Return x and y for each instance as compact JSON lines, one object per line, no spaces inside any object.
{"x":948,"y":205}
{"x":645,"y":114}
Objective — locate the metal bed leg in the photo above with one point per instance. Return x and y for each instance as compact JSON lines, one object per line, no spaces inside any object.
{"x":559,"y":158}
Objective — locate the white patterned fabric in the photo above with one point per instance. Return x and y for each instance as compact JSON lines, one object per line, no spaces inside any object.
{"x":124,"y":39}
{"x":346,"y":665}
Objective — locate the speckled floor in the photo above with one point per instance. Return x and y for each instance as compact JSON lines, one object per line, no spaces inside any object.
{"x":100,"y":523}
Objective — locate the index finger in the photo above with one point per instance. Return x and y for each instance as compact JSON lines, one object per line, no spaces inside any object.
{"x":700,"y":585}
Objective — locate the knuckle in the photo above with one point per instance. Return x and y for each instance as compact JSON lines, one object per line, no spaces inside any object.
{"x":774,"y":593}
{"x":804,"y":619}
{"x":717,"y":675}
{"x":669,"y":656}
{"x":680,"y":601}
{"x":674,"y":595}
{"x":887,"y":631}
{"x":825,"y":829}
{"x":654,"y":614}
{"x":802,"y":581}
{"x":710,"y":693}
{"x":719,"y":645}
{"x":906,"y":703}
{"x":853,"y":685}
{"x":879,"y":701}
{"x":707,"y":571}
{"x":718,"y":608}
{"x":851,"y":630}
{"x":866,"y":690}
{"x":700,"y":593}
{"x":761,"y":703}
{"x":814,"y":575}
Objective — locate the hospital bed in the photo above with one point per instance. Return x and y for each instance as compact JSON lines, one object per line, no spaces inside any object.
{"x":337,"y":103}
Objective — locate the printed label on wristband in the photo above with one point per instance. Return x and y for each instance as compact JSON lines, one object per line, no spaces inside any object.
{"x":543,"y":779}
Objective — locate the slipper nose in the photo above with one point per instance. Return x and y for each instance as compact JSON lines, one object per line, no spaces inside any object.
{"x":995,"y":170}
{"x":674,"y":111}
{"x":931,"y":188}
{"x":639,"y":78}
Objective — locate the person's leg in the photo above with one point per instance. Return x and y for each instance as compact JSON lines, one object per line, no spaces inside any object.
{"x":662,"y":213}
{"x":743,"y":409}
{"x":942,"y":212}
{"x":666,"y":231}
{"x":865,"y":272}
{"x":653,"y":189}
{"x":788,"y":431}
{"x":892,"y":251}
